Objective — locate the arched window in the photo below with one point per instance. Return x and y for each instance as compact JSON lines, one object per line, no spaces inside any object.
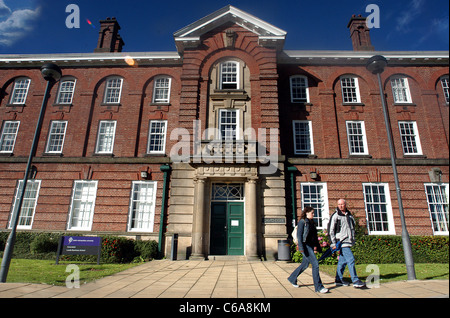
{"x":161,"y":89}
{"x":350,"y":89}
{"x":66,"y":90}
{"x":400,"y":90}
{"x":20,"y":91}
{"x":113,"y":90}
{"x":444,"y":82}
{"x":229,"y":75}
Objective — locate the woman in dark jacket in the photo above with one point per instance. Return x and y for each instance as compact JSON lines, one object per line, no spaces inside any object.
{"x":308,"y":244}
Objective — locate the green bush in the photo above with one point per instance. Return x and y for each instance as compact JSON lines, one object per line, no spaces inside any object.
{"x":117,"y":249}
{"x":44,"y":243}
{"x":147,"y":250}
{"x":388,"y":249}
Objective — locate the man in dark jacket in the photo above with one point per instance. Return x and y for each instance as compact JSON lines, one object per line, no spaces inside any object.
{"x":342,"y":228}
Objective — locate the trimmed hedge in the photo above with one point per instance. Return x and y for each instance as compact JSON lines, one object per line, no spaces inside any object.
{"x":115,"y":249}
{"x":377,"y":249}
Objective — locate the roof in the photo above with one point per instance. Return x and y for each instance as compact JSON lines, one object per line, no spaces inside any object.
{"x":267,"y":33}
{"x":173,"y":58}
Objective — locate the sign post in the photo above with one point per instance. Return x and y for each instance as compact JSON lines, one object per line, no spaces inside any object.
{"x":79,"y":245}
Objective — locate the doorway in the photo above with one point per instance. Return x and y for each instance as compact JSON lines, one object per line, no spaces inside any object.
{"x":227,"y":219}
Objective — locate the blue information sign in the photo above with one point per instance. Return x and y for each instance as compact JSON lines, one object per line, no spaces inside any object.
{"x":79,"y":245}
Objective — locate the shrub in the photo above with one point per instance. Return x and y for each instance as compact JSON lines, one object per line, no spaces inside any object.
{"x":44,"y":245}
{"x":386,"y":249}
{"x":147,"y":250}
{"x":117,"y":249}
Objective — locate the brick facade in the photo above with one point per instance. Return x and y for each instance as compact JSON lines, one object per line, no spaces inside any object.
{"x":264,"y":101}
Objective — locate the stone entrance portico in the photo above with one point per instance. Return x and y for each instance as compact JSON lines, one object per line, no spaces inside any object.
{"x":190,"y":208}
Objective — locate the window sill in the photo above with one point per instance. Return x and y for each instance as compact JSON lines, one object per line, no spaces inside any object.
{"x":414,"y":156}
{"x":15,"y":107}
{"x":357,"y":156}
{"x":47,"y":154}
{"x":308,"y":156}
{"x":159,"y":104}
{"x":109,"y":155}
{"x":155,"y":155}
{"x":353,"y":104}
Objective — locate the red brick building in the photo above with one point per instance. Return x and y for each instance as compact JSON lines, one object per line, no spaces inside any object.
{"x":238,"y":132}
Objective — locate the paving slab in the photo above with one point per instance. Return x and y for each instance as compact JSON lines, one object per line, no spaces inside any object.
{"x":220,"y":279}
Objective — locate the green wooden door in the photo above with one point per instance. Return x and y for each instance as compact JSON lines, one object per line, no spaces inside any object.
{"x":227,"y":228}
{"x":235,"y":227}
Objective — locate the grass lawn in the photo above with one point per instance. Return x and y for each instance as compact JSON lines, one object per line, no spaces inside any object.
{"x":394,"y":272}
{"x":46,"y":272}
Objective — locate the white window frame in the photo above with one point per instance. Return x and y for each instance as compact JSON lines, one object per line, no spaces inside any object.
{"x":410,"y":138}
{"x":317,"y":200}
{"x":309,"y":151}
{"x":84,"y":202}
{"x":106,"y":138}
{"x":144,"y":207}
{"x":299,"y":86}
{"x":438,"y":207}
{"x":20,"y":91}
{"x":356,"y":138}
{"x":221,"y":125}
{"x":9,"y":135}
{"x":236,"y":74}
{"x":445,"y":88}
{"x":56,"y":138}
{"x":162,"y":85}
{"x":113,"y":92}
{"x":388,"y":206}
{"x":349,"y":90}
{"x":66,"y":91}
{"x":29,"y":203}
{"x":400,"y":90}
{"x":162,"y":138}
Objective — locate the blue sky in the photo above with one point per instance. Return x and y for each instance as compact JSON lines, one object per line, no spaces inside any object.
{"x":38,"y":26}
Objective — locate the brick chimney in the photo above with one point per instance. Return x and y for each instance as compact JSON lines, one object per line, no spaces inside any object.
{"x":360,"y":34}
{"x":109,"y":39}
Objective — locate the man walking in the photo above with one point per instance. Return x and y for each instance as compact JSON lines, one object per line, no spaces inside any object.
{"x":342,"y":228}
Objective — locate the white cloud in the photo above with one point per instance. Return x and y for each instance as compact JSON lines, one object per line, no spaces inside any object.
{"x":17,"y":24}
{"x":4,"y":10}
{"x":408,"y":15}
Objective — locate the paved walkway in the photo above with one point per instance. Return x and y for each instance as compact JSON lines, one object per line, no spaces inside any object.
{"x":220,"y":279}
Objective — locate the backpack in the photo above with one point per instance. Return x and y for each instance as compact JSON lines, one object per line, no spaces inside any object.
{"x":294,"y":234}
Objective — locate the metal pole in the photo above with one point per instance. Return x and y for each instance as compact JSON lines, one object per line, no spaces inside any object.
{"x":407,"y":250}
{"x":16,"y":213}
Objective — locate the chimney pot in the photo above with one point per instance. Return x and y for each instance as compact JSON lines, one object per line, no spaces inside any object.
{"x":109,"y":39}
{"x":360,"y":34}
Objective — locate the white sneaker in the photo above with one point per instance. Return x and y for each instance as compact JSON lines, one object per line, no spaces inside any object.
{"x":323,"y":290}
{"x":295,"y":285}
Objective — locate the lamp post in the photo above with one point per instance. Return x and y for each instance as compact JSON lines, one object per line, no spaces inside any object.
{"x":376,"y":65}
{"x":51,"y":73}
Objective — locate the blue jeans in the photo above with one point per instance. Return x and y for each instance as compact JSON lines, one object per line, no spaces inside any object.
{"x":310,"y":259}
{"x":346,"y":259}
